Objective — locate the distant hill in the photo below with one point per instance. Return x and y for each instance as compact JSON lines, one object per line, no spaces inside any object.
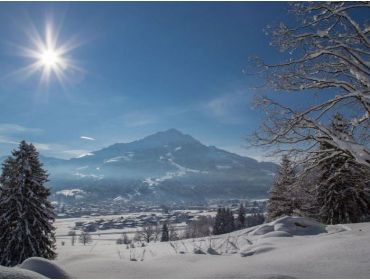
{"x":165,"y":166}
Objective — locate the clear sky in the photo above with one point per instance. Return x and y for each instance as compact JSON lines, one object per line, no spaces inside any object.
{"x":133,"y":69}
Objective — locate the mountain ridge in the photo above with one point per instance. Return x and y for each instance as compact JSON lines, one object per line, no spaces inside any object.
{"x":167,"y":165}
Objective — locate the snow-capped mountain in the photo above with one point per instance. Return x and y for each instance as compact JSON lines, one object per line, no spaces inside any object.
{"x":167,"y":165}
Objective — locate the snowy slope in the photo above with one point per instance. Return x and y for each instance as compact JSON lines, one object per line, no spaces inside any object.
{"x":311,"y":251}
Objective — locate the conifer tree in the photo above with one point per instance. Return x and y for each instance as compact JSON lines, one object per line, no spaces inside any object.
{"x":224,"y":221}
{"x":280,"y":202}
{"x":219,"y":226}
{"x":26,"y":216}
{"x":342,"y":192}
{"x":241,"y":217}
{"x":165,"y":233}
{"x":305,"y":193}
{"x":229,"y":221}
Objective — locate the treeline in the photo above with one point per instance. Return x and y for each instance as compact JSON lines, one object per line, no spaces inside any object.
{"x":329,"y":186}
{"x":225,"y":221}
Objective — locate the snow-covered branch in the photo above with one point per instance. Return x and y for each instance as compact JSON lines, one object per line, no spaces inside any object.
{"x":328,"y":54}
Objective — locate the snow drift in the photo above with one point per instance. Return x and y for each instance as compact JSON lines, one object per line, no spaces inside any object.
{"x":18,"y":273}
{"x":44,"y":267}
{"x":289,"y":226}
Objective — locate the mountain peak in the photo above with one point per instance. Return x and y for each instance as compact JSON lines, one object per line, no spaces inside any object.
{"x":172,"y":131}
{"x":163,"y":138}
{"x":169,"y":136}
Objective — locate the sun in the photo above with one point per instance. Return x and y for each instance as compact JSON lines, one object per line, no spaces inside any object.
{"x":50,"y":57}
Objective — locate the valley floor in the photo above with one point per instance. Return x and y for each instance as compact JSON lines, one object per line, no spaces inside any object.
{"x":286,"y":248}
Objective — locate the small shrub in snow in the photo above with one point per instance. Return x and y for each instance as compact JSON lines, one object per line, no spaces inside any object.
{"x":212,"y":251}
{"x":199,"y":251}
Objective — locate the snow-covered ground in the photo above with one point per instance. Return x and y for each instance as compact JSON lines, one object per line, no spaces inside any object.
{"x":289,"y":247}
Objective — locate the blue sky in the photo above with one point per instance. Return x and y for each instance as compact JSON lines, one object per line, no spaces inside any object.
{"x":142,"y":68}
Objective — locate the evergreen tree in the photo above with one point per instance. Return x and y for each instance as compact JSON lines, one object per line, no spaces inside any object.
{"x":229,"y":221}
{"x":224,"y":221}
{"x":304,"y":192}
{"x":280,"y":202}
{"x":216,"y":225}
{"x":255,"y":219}
{"x":26,"y":217}
{"x":165,"y":233}
{"x":219,"y":226}
{"x":342,"y":192}
{"x":241,"y":217}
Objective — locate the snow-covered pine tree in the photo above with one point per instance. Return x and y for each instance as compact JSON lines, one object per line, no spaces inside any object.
{"x":165,"y":233}
{"x":280,"y":201}
{"x":304,"y":191}
{"x":342,"y":191}
{"x":26,"y":216}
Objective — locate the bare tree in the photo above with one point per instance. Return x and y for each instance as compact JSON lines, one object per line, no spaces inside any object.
{"x":85,"y":237}
{"x":72,"y":234}
{"x":199,"y":228}
{"x":173,"y":234}
{"x":148,"y":232}
{"x":157,"y":232}
{"x":123,"y":239}
{"x":328,"y":54}
{"x":137,"y":236}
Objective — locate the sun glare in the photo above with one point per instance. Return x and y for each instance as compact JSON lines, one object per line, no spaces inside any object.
{"x":50,"y":56}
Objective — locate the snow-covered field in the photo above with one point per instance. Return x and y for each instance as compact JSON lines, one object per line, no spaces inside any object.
{"x":289,"y":247}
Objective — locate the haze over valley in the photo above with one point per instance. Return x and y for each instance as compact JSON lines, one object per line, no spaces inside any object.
{"x":167,"y":166}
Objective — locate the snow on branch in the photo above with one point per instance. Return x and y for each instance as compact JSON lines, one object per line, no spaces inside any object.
{"x":328,"y":54}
